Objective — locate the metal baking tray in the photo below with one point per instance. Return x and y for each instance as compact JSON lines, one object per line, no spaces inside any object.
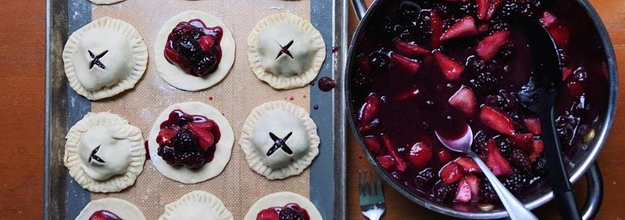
{"x":64,"y":198}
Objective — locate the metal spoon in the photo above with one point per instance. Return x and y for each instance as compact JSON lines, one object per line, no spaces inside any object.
{"x":539,"y":96}
{"x":513,"y":206}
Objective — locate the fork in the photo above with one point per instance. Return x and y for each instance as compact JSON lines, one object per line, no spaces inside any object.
{"x":372,"y":203}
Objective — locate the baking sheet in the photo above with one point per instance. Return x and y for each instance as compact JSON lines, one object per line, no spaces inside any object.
{"x":238,"y":186}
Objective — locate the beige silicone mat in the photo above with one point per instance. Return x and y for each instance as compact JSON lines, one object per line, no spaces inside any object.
{"x":237,"y":186}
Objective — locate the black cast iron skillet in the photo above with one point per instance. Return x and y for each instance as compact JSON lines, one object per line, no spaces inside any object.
{"x":601,"y":55}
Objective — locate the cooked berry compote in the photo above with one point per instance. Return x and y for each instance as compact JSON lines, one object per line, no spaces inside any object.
{"x":187,"y":140}
{"x":290,"y":211}
{"x":426,"y":66}
{"x":104,"y":215}
{"x":194,"y":47}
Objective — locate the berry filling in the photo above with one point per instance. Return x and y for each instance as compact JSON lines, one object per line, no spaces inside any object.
{"x":425,"y":66}
{"x":290,"y":211}
{"x":194,"y":47}
{"x":187,"y":140}
{"x":104,"y":215}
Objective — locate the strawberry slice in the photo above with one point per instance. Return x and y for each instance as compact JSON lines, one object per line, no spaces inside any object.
{"x":497,"y":120}
{"x":548,"y":19}
{"x":164,"y":136}
{"x":450,"y":173}
{"x":205,"y":137}
{"x":482,"y":27}
{"x":465,"y":27}
{"x":370,"y":126}
{"x":523,"y":141}
{"x":560,"y":34}
{"x":482,"y":9}
{"x":444,"y":155}
{"x":451,"y":69}
{"x":538,"y":149}
{"x":390,"y":147}
{"x":404,"y":64}
{"x":386,"y":161}
{"x":489,"y":46}
{"x":463,"y":194}
{"x":267,"y":214}
{"x":533,"y":125}
{"x":370,"y":109}
{"x":206,"y":42}
{"x":408,"y":49}
{"x":468,"y":165}
{"x":364,"y":64}
{"x":420,"y":154}
{"x":492,"y":8}
{"x":104,"y":215}
{"x":372,"y":144}
{"x":172,"y":56}
{"x":411,"y":93}
{"x":495,"y":161}
{"x":566,"y":72}
{"x":464,"y":100}
{"x":474,"y":183}
{"x":436,"y":23}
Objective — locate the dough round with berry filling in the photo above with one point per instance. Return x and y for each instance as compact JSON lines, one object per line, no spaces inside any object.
{"x":197,"y":205}
{"x":104,"y":153}
{"x":104,"y":58}
{"x":222,"y":152}
{"x":286,"y":51}
{"x":119,"y":207}
{"x":279,"y":140}
{"x":280,"y":199}
{"x":175,"y":76}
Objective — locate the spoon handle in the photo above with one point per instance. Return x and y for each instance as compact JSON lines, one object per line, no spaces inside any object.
{"x":515,"y":208}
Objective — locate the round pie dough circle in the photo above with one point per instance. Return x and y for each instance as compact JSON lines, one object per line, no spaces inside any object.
{"x":284,"y":27}
{"x":222,"y":153}
{"x":197,"y":205}
{"x":124,"y":134}
{"x":281,"y":199}
{"x":105,"y":2}
{"x":98,"y":83}
{"x":258,"y":161}
{"x":176,"y":77}
{"x":119,"y":207}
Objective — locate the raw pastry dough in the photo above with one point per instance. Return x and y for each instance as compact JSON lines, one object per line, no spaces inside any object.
{"x":176,"y":77}
{"x":119,"y":207}
{"x":104,"y":58}
{"x":222,"y":152}
{"x":197,"y":205}
{"x":286,"y":51}
{"x":281,"y":199}
{"x":271,"y":123}
{"x":105,"y":2}
{"x":104,"y":153}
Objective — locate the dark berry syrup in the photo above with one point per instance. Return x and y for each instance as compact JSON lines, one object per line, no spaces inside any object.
{"x":426,"y":66}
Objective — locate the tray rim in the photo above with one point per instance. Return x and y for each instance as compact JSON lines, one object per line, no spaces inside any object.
{"x":55,"y":196}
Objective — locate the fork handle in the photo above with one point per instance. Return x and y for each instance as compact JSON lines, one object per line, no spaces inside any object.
{"x":516,"y":210}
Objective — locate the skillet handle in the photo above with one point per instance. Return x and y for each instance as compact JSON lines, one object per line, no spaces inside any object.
{"x":360,"y":7}
{"x":595,"y":192}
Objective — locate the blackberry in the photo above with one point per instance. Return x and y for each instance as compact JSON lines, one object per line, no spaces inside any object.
{"x":189,"y":49}
{"x":184,"y":140}
{"x":503,"y":101}
{"x":379,"y":62}
{"x":187,"y":31}
{"x":487,"y":191}
{"x":208,"y":64}
{"x":510,"y":8}
{"x":409,"y":11}
{"x":498,"y":25}
{"x":479,"y":143}
{"x":505,"y":145}
{"x":506,"y":51}
{"x":566,"y":125}
{"x":516,"y":182}
{"x":476,"y":65}
{"x":539,"y":168}
{"x":291,"y":214}
{"x":468,"y":8}
{"x":484,"y":82}
{"x":443,"y":9}
{"x":166,"y":152}
{"x":520,"y":160}
{"x":190,"y":160}
{"x":424,"y":178}
{"x":443,"y":191}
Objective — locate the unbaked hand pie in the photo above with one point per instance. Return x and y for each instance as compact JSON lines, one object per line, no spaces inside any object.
{"x":286,"y":51}
{"x":194,"y":51}
{"x":283,"y":206}
{"x":104,"y":58}
{"x":197,"y":205}
{"x":110,"y":209}
{"x":190,"y":142}
{"x":279,"y":140}
{"x":104,"y":153}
